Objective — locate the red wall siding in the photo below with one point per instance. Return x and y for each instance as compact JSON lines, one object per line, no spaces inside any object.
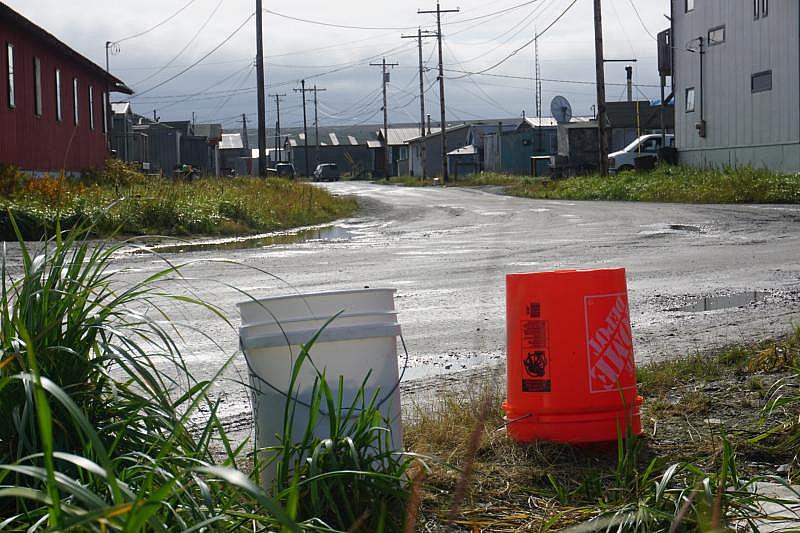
{"x":44,"y":143}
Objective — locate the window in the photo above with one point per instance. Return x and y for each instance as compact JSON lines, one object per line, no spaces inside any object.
{"x":761,"y":81}
{"x":91,"y":107}
{"x":650,"y":146}
{"x":75,"y":114}
{"x":690,"y":100}
{"x":12,"y":93}
{"x":59,"y":111}
{"x":689,"y":5}
{"x":105,"y":112}
{"x":716,"y":35}
{"x":760,"y":8}
{"x":37,"y":87}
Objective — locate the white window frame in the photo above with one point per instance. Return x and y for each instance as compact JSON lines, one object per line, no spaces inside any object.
{"x":59,"y":107}
{"x":91,"y":107}
{"x":105,"y":112}
{"x":75,"y":101}
{"x":689,"y":5}
{"x":690,"y":102}
{"x":11,"y":88}
{"x":37,"y":87}
{"x":716,"y":29}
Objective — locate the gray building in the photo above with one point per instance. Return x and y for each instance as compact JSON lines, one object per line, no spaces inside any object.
{"x":736,"y":76}
{"x":457,"y":137}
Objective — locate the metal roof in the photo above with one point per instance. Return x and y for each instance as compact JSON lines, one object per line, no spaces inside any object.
{"x":120,"y":108}
{"x":374,"y":144}
{"x":464,"y":150}
{"x":211,"y":131}
{"x":334,"y":139}
{"x":434,"y":132}
{"x":231,"y":141}
{"x":399,"y":136}
{"x":536,"y":122}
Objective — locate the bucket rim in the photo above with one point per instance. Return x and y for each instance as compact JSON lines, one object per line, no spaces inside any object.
{"x":326,"y":317}
{"x":304,"y":295}
{"x":567,"y":271}
{"x":331,"y":334}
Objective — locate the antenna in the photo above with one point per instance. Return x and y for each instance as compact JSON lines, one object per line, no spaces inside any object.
{"x":561,"y":110}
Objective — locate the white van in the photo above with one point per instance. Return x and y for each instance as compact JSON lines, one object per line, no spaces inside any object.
{"x":644,"y":145}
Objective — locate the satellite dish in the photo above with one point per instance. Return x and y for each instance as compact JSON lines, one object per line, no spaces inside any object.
{"x":561,"y":110}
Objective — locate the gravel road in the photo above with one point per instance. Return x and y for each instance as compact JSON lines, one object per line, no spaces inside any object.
{"x":447,"y":251}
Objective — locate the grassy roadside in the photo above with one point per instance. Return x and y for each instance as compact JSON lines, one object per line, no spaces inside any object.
{"x":665,"y":184}
{"x":124,"y":201}
{"x":717,"y":421}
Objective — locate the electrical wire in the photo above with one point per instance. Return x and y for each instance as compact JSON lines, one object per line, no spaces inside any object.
{"x":187,"y":69}
{"x":515,"y":52}
{"x":192,"y":40}
{"x":331,"y":25}
{"x":641,"y":21}
{"x":145,"y":32}
{"x":549,"y":80}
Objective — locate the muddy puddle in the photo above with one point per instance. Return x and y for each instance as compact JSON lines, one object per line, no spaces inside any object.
{"x":716,"y":303}
{"x":325,"y":233}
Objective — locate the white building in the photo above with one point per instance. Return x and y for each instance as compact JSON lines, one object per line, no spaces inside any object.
{"x":736,"y":74}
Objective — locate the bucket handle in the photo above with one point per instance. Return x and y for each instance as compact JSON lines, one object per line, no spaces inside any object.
{"x":308,"y":406}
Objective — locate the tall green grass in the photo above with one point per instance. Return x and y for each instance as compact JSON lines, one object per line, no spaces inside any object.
{"x":677,"y":184}
{"x":151,"y":205}
{"x":106,"y":429}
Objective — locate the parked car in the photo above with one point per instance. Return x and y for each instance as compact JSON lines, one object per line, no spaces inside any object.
{"x":283,"y":170}
{"x":326,"y":172}
{"x":644,"y":146}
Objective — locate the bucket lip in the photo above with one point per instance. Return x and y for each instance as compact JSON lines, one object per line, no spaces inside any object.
{"x":295,"y":320}
{"x":304,"y":295}
{"x":331,"y":334}
{"x":567,"y":271}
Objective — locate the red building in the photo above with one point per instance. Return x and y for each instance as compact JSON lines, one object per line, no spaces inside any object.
{"x":52,"y":112}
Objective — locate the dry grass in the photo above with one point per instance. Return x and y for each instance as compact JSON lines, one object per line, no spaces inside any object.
{"x":690,"y":406}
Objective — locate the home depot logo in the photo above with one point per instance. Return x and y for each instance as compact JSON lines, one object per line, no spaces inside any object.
{"x":609,"y":343}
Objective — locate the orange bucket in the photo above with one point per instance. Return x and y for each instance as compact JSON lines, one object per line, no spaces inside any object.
{"x":571,"y":370}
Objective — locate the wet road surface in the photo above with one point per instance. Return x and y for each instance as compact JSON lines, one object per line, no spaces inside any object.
{"x":447,"y":252}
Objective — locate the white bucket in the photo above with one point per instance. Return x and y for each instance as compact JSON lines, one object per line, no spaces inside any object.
{"x":316,"y":305}
{"x":353,"y":346}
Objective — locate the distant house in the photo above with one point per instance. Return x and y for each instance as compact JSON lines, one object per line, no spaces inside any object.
{"x":398,"y":150}
{"x":456,"y":138}
{"x":736,"y":75}
{"x":54,"y":103}
{"x":234,"y":155}
{"x":346,"y":146}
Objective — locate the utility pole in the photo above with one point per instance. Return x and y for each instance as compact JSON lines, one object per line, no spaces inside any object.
{"x":540,"y":148}
{"x":387,"y":162}
{"x":305,"y":120}
{"x":302,"y":90}
{"x":439,"y":12}
{"x":316,"y":126}
{"x":278,"y":124}
{"x":262,"y":106}
{"x":245,"y":140}
{"x":420,"y":34}
{"x":601,"y":88}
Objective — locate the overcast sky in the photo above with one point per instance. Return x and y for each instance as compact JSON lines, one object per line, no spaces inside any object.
{"x":334,"y":43}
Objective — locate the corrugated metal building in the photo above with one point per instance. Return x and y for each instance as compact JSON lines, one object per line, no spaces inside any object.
{"x":53,"y":111}
{"x":745,"y":108}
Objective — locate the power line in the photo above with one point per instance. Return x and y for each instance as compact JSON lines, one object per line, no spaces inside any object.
{"x":169,"y":18}
{"x":331,"y":25}
{"x":515,"y":52}
{"x":176,"y":56}
{"x":187,"y":69}
{"x":639,"y":16}
{"x":549,"y":80}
